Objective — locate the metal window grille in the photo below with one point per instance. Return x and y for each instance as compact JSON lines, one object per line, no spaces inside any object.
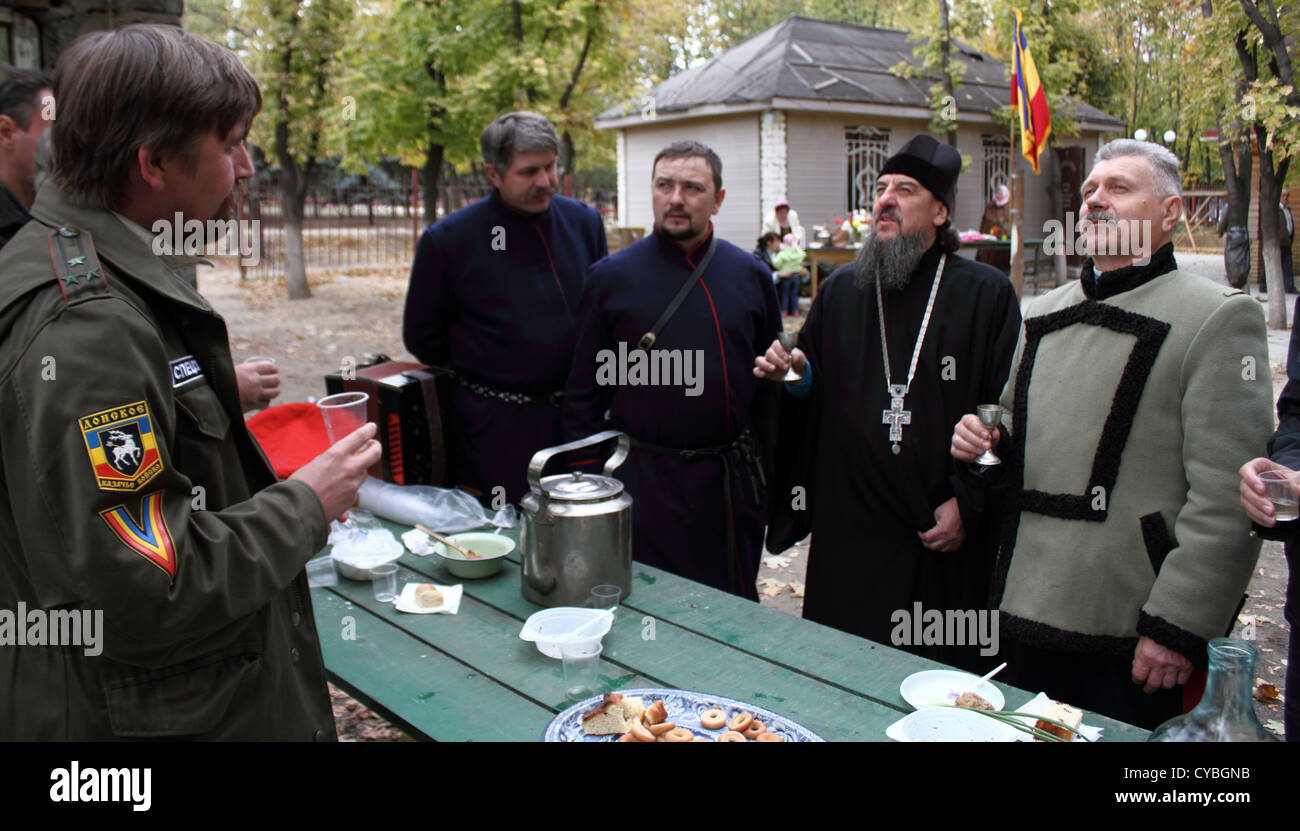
{"x":997,"y":164}
{"x":868,"y":149}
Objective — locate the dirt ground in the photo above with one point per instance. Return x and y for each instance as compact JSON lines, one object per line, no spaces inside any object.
{"x":354,"y":313}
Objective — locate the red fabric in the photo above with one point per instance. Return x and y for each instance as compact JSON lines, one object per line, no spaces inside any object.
{"x":291,"y":434}
{"x":1193,"y":690}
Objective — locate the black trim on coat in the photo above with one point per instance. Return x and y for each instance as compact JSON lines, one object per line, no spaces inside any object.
{"x":1191,"y":646}
{"x":1150,"y":334}
{"x":1157,"y":539}
{"x":1044,"y":636}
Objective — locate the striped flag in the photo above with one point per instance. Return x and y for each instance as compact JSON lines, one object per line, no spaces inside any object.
{"x":1030,"y":99}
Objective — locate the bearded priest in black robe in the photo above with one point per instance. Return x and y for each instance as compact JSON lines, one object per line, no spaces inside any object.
{"x":901,"y":548}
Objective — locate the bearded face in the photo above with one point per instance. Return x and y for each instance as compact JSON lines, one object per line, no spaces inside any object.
{"x":891,"y":260}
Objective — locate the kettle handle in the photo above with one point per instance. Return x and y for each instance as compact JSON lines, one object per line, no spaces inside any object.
{"x":541,"y":457}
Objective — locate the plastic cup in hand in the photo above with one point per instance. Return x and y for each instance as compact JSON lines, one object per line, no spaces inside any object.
{"x":384,"y":582}
{"x":581,"y":668}
{"x":990,"y":416}
{"x":789,"y":340}
{"x":255,"y":358}
{"x":344,"y":413}
{"x":605,"y":597}
{"x":1280,"y":486}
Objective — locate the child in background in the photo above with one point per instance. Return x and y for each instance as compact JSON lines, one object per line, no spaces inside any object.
{"x":788,"y":263}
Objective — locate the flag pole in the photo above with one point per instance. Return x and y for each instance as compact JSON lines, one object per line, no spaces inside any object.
{"x":1017,"y":197}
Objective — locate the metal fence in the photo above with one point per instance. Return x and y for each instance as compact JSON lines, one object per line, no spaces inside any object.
{"x":363,"y":226}
{"x":358,"y":227}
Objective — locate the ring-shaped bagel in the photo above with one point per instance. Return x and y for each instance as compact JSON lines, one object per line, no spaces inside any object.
{"x":740,"y":721}
{"x":712,"y":719}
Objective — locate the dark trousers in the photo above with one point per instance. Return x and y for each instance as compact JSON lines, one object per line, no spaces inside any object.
{"x":787,"y":294}
{"x":1291,"y":716}
{"x":1288,"y":278}
{"x":1094,"y":683}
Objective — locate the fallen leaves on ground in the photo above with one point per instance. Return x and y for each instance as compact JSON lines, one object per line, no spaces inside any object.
{"x":796,"y":589}
{"x":775,"y":561}
{"x":770,"y":586}
{"x":1266,"y":693}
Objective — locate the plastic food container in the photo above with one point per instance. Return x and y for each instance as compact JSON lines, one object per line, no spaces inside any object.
{"x":549,"y":627}
{"x":358,"y":552}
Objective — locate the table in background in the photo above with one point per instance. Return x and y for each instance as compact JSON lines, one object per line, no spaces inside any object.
{"x":829,"y":254}
{"x":1034,"y":245}
{"x":469,"y":677}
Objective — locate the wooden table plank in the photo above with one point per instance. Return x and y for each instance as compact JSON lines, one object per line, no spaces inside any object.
{"x":487,"y":640}
{"x":407,"y":681}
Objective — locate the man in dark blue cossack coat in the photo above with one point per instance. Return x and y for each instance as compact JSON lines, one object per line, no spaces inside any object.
{"x":689,"y":401}
{"x":494,"y":294}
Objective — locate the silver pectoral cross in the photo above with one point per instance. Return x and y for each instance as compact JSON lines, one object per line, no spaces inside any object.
{"x":896,"y":416}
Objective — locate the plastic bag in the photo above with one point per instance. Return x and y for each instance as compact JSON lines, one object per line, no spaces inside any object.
{"x":1236,"y":256}
{"x":444,"y":510}
{"x":362,"y":541}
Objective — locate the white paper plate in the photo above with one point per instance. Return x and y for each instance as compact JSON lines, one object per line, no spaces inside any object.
{"x":942,"y":724}
{"x":931,"y":687}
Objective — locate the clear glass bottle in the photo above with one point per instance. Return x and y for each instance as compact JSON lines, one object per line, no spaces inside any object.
{"x":1226,"y":712}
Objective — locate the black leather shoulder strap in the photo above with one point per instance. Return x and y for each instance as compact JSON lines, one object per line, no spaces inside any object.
{"x":649,"y":338}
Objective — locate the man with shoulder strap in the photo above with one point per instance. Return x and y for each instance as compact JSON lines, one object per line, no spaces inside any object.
{"x":493,"y":296}
{"x":136,"y":510}
{"x":668,"y":325}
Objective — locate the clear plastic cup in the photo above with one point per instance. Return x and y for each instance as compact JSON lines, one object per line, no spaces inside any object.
{"x":384,"y":582}
{"x":344,"y":413}
{"x":605,"y":596}
{"x":581,"y":668}
{"x":1282,"y":487}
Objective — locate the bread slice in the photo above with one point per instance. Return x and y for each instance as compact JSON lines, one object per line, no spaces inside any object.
{"x":633,"y":708}
{"x":1063,"y":713}
{"x":607,"y":718}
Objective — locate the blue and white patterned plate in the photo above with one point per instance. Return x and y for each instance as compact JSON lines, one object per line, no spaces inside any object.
{"x":684,"y":708}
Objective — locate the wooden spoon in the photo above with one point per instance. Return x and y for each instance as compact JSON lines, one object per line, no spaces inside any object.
{"x":469,"y":555}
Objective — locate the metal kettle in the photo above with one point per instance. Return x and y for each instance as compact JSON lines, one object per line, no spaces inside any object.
{"x":577,"y":531}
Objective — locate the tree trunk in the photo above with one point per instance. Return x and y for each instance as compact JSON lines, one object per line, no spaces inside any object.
{"x":293,"y":195}
{"x":431,"y":182}
{"x":1056,"y":198}
{"x":1269,"y":194}
{"x":566,"y":153}
{"x":944,"y":73}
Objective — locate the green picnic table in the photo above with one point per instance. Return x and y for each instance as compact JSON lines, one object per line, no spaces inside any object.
{"x":469,"y":677}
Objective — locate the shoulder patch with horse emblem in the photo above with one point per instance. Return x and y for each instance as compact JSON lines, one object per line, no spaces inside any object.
{"x":76,"y":265}
{"x":123,"y":449}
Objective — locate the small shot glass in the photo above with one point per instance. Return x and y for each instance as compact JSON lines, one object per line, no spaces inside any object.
{"x":581,"y":668}
{"x":384,"y":582}
{"x":605,"y":596}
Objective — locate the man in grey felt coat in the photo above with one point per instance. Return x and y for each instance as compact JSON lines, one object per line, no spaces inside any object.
{"x":1135,"y":395}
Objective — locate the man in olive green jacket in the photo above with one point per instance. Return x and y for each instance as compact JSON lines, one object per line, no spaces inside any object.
{"x":151,"y":566}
